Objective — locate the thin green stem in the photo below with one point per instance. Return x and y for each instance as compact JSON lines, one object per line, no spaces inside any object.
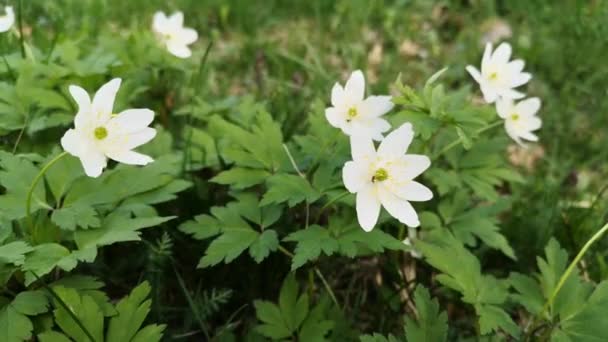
{"x":571,"y":267}
{"x":459,"y":141}
{"x":191,"y":303}
{"x":28,"y":200}
{"x":20,"y":27}
{"x":318,"y":273}
{"x":331,"y":201}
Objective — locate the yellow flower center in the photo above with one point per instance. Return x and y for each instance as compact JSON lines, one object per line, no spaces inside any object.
{"x":380,"y":175}
{"x":493,"y":76}
{"x":100,"y":133}
{"x":352,"y":112}
{"x":514,"y":116}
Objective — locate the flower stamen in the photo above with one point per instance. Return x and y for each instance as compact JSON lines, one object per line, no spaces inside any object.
{"x":380,"y":175}
{"x":100,"y":133}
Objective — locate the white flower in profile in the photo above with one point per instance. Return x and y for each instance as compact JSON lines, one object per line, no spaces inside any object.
{"x":99,"y":134}
{"x":498,"y":75}
{"x":353,"y":113}
{"x":385,"y":177}
{"x":7,"y":20}
{"x":172,"y":33}
{"x":520,"y":118}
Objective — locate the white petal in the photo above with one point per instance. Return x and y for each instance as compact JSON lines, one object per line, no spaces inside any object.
{"x":103,"y":102}
{"x":8,"y":20}
{"x":178,"y":49}
{"x":512,"y":132}
{"x":368,"y":207}
{"x":516,"y":66}
{"x":520,"y":79}
{"x":160,"y":22}
{"x":474,"y":73}
{"x":355,"y":86}
{"x":529,"y":136}
{"x":411,"y":191}
{"x":490,"y":95}
{"x":502,"y":54}
{"x":375,"y":106}
{"x":83,"y":116}
{"x":176,"y":20}
{"x":510,"y":94}
{"x":337,"y":96}
{"x":334,"y":117}
{"x":400,"y":209}
{"x":73,"y":143}
{"x":131,"y":120}
{"x":504,"y":107}
{"x":487,"y":57}
{"x":139,"y":138}
{"x":187,"y":36}
{"x":355,"y":176}
{"x":412,"y":165}
{"x":369,"y":128}
{"x":130,"y":157}
{"x":93,"y":162}
{"x":396,"y":143}
{"x":528,"y":107}
{"x":532,"y":123}
{"x":362,"y":148}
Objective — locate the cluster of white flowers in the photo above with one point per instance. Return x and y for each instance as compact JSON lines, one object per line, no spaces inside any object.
{"x":382,"y":177}
{"x":497,"y":79}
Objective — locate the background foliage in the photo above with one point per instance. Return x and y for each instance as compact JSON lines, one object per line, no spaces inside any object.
{"x":241,"y":226}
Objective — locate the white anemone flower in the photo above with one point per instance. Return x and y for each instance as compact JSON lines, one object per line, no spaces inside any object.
{"x":520,"y":118}
{"x":498,"y":75}
{"x":385,"y":177}
{"x":353,"y":113}
{"x":172,"y":33}
{"x":7,"y":20}
{"x":99,"y":134}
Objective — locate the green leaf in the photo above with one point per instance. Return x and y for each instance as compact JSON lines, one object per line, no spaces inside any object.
{"x":289,"y":188}
{"x":132,"y":312}
{"x":14,"y":326}
{"x":311,"y":242}
{"x":431,"y":325}
{"x":14,"y":252}
{"x":69,"y":218}
{"x":30,"y":303}
{"x":53,"y":336}
{"x":228,"y":246}
{"x":241,"y":178}
{"x":85,"y":308}
{"x":274,"y":326}
{"x":266,"y":242}
{"x":493,"y":318}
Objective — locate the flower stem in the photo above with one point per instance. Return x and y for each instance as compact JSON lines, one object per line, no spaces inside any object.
{"x":28,"y":200}
{"x":572,"y":265}
{"x":459,"y":141}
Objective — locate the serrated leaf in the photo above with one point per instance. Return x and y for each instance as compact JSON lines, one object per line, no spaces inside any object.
{"x":289,"y":188}
{"x":232,"y":243}
{"x":69,"y":218}
{"x":14,"y":252}
{"x":241,"y":178}
{"x":14,"y":326}
{"x":266,"y":242}
{"x":85,"y":308}
{"x":311,"y":242}
{"x":431,"y":325}
{"x":30,"y":303}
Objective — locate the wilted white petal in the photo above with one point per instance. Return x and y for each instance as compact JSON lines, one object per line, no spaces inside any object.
{"x":397,"y":142}
{"x":368,"y":208}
